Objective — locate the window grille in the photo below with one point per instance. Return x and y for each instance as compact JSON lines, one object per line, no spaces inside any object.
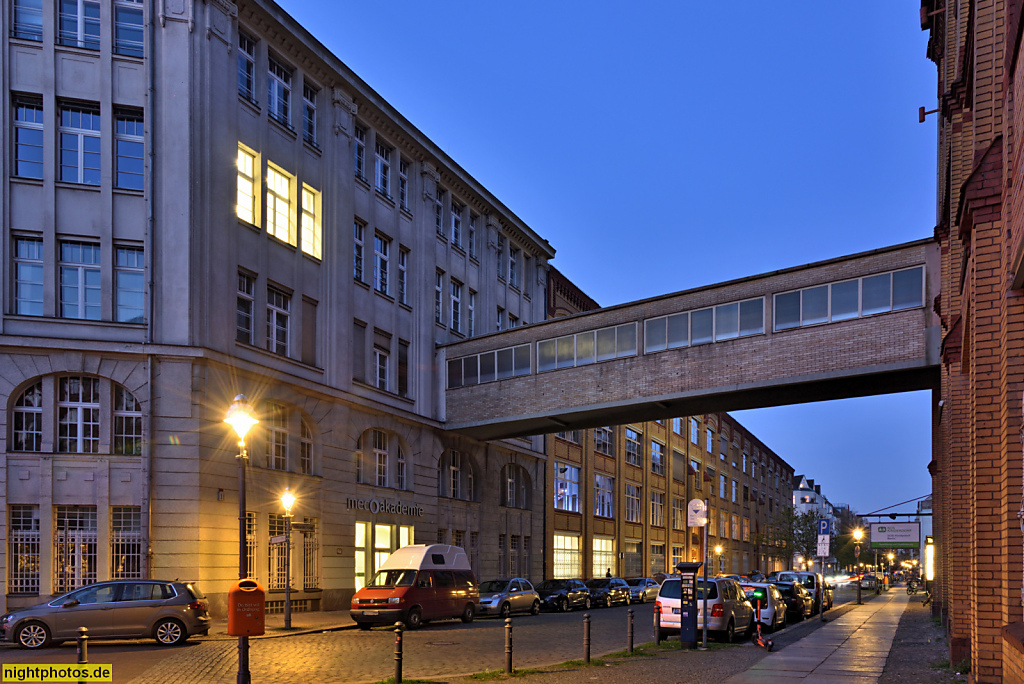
{"x":126,"y":542}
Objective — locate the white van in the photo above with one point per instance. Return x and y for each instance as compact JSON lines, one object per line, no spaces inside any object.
{"x":417,"y":583}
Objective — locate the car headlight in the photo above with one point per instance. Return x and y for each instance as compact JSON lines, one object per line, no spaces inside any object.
{"x":394,"y":599}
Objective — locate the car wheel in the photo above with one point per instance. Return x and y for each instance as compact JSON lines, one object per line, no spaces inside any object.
{"x":730,"y":633}
{"x":505,"y":610}
{"x":365,"y":626}
{"x":33,"y":635}
{"x":414,"y":619}
{"x":170,"y":633}
{"x":468,"y":613}
{"x":563,"y":605}
{"x":535,"y":608}
{"x":586,"y":603}
{"x":643,"y":597}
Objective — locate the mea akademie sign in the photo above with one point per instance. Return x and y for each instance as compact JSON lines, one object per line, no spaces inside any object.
{"x":896,"y":535}
{"x":376,"y":506}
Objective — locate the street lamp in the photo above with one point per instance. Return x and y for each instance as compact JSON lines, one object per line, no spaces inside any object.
{"x":858,"y":534}
{"x":241,"y":418}
{"x":718,"y":552}
{"x":287,"y":500}
{"x":890,"y":578}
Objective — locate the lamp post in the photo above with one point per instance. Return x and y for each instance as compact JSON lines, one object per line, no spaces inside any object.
{"x":890,"y":575}
{"x":241,"y":418}
{"x":858,"y":534}
{"x":718,"y":552}
{"x":287,"y":500}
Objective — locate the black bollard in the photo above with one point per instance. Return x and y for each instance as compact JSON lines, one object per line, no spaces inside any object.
{"x":508,"y":646}
{"x":586,"y":638}
{"x":83,"y":645}
{"x":657,"y":627}
{"x":629,"y":630}
{"x":398,"y":652}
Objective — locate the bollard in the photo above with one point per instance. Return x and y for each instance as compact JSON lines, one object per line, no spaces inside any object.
{"x":83,"y":645}
{"x":508,"y":646}
{"x":629,"y":630}
{"x":398,"y":652}
{"x":657,"y":626}
{"x":586,"y":638}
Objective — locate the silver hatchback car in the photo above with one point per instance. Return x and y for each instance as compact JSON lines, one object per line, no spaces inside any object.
{"x":502,"y":597}
{"x":169,"y":612}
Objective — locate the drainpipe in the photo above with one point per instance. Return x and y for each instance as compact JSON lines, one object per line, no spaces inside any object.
{"x":147,"y":449}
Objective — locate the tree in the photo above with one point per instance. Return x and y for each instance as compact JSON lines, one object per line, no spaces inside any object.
{"x":805,"y":534}
{"x":790,"y":533}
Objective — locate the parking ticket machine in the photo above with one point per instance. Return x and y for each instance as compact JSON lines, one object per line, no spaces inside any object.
{"x":688,"y":633}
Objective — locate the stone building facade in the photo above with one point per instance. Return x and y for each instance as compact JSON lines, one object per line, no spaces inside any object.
{"x":199,"y":200}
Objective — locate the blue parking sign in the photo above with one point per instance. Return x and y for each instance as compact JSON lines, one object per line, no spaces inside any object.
{"x":823,"y":526}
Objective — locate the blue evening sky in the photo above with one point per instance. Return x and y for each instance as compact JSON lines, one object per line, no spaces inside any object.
{"x":660,"y":146}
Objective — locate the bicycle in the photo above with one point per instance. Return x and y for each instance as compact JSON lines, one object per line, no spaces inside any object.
{"x":912,"y":587}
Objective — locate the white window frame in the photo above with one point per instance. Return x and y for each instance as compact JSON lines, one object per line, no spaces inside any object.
{"x":28,"y":276}
{"x":78,"y":415}
{"x":514,"y":256}
{"x":567,"y":487}
{"x":279,"y":91}
{"x":79,"y":130}
{"x":403,"y":184}
{"x":305,"y":448}
{"x":634,"y":447}
{"x":455,"y":474}
{"x":359,"y":150}
{"x":380,"y":458}
{"x":80,"y":280}
{"x":78,"y":23}
{"x":471,"y":314}
{"x":129,"y":150}
{"x":382,"y":168}
{"x":403,"y":275}
{"x":381,"y":262}
{"x":500,"y":256}
{"x":245,"y":309}
{"x":455,"y":300}
{"x":400,"y":469}
{"x":129,"y":284}
{"x":245,"y":205}
{"x":128,"y":22}
{"x":657,"y":457}
{"x":439,"y":297}
{"x":604,"y":495}
{"x":634,"y":509}
{"x":312,"y":237}
{"x":455,"y":214}
{"x":357,"y":249}
{"x":279,"y":205}
{"x":439,"y":211}
{"x":309,"y":95}
{"x":657,"y":509}
{"x":381,"y":361}
{"x":247,"y":66}
{"x":471,"y":235}
{"x":278,"y":319}
{"x":27,"y":420}
{"x":28,"y":136}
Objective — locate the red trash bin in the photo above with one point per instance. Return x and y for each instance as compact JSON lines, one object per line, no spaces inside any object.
{"x":246,"y":608}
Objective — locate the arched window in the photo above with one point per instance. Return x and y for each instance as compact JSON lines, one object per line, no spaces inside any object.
{"x":78,"y":415}
{"x":286,"y":434}
{"x":456,"y":476}
{"x":28,"y":420}
{"x":516,"y":488}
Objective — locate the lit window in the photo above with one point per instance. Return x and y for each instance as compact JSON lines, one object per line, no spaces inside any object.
{"x":246,"y":67}
{"x":245,"y":205}
{"x":279,"y":91}
{"x":567,"y":487}
{"x":309,"y":94}
{"x":126,"y":543}
{"x":80,"y":144}
{"x":28,"y":276}
{"x":381,"y":262}
{"x":360,"y":152}
{"x":312,"y":242}
{"x":279,"y":209}
{"x":28,"y":19}
{"x":130,"y":151}
{"x":28,"y":138}
{"x":129,"y":284}
{"x":80,"y":280}
{"x":456,"y":305}
{"x":382,"y":168}
{"x":78,"y":415}
{"x":28,"y":420}
{"x":80,"y":23}
{"x":244,"y":309}
{"x":127,"y":422}
{"x":278,"y":306}
{"x":128,"y":36}
{"x":75,"y":553}
{"x":357,"y":251}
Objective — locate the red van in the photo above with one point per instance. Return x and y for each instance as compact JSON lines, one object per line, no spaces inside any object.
{"x":417,"y":583}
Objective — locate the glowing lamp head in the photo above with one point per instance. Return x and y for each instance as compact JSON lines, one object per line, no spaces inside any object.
{"x":240,"y":416}
{"x":287,"y":500}
{"x":858,"y":534}
{"x":718,"y":550}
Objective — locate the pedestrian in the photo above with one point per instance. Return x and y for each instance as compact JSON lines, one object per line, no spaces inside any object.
{"x":608,"y":572}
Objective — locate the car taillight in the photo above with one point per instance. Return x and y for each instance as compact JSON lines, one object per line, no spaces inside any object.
{"x":197,"y":605}
{"x":657,"y":607}
{"x":717,"y":610}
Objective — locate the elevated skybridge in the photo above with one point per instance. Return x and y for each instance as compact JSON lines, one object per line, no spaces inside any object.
{"x":853,"y":326}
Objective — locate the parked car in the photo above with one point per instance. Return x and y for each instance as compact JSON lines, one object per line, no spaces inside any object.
{"x":502,"y":597}
{"x":757,"y":577}
{"x":813,"y":582}
{"x":799,"y":603}
{"x":563,"y":594}
{"x":869,"y":582}
{"x":416,"y":583}
{"x":773,"y":606}
{"x":167,"y":611}
{"x":729,"y":612}
{"x":642,"y":588}
{"x":608,"y":591}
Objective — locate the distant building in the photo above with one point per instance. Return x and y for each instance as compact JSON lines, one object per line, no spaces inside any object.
{"x":807,"y":498}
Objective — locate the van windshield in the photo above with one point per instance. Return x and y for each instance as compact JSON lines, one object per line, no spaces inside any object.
{"x":393,"y":578}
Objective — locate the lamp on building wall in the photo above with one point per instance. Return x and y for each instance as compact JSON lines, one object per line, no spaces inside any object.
{"x":241,"y":418}
{"x":287,"y":500}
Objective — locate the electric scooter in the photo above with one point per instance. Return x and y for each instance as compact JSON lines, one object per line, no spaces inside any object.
{"x":759,"y":639}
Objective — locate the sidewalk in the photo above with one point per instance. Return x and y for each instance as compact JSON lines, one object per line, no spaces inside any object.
{"x":302,"y":623}
{"x":850,"y":650}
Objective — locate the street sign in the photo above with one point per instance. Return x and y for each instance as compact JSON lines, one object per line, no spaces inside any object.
{"x":896,"y":535}
{"x":303,"y":527}
{"x":823,"y":540}
{"x":856,"y":551}
{"x":823,"y":527}
{"x":696,"y":513}
{"x":279,"y":539}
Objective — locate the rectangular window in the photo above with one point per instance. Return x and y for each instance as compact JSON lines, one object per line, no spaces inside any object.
{"x":633,"y":448}
{"x":710,"y":442}
{"x":74,"y":552}
{"x":515,"y":257}
{"x":403,"y":368}
{"x":278,"y":307}
{"x":603,"y":440}
{"x":305,"y":450}
{"x":657,"y":458}
{"x":245,"y":205}
{"x":28,"y":276}
{"x":27,"y":418}
{"x":439,"y":297}
{"x":455,"y":295}
{"x":698,"y":480}
{"x":275,"y":422}
{"x":723,"y":485}
{"x":734,"y":491}
{"x":471,"y":314}
{"x":357,"y":251}
{"x":129,"y":284}
{"x":658,"y":509}
{"x":380,"y":454}
{"x":403,"y":275}
{"x":403,"y":184}
{"x":382,"y":169}
{"x":677,"y":426}
{"x":633,"y":509}
{"x":311,"y":555}
{"x":439,"y":212}
{"x":456,"y":223}
{"x":309,"y":94}
{"x":567,"y":487}
{"x":28,"y":20}
{"x":604,"y":554}
{"x":566,"y":559}
{"x":125,"y":542}
{"x":28,"y":138}
{"x":23,"y":550}
{"x":80,"y":280}
{"x":312,"y":239}
{"x":381,"y":357}
{"x":500,"y":318}
{"x":400,"y":471}
{"x":694,"y":432}
{"x":128,"y":36}
{"x":80,"y":144}
{"x":381,"y":262}
{"x":359,"y":139}
{"x":500,"y":254}
{"x":244,"y":309}
{"x":678,"y":513}
{"x":513,"y":321}
{"x":277,"y":567}
{"x":130,"y":151}
{"x":279,"y":206}
{"x":246,"y":67}
{"x":471,"y":237}
{"x":279,"y":91}
{"x":604,"y":496}
{"x":80,"y":23}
